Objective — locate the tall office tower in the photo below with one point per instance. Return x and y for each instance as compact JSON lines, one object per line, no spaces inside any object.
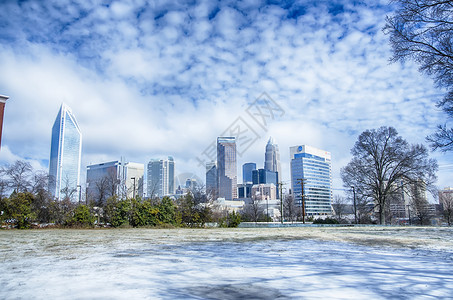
{"x":2,"y":110}
{"x":247,"y":170}
{"x":272,"y":157}
{"x":114,"y":178}
{"x":65,"y":155}
{"x":313,"y":166}
{"x":161,"y":177}
{"x":211,"y":179}
{"x":226,"y":168}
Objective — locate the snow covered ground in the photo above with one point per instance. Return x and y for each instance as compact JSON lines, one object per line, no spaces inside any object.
{"x":267,"y":263}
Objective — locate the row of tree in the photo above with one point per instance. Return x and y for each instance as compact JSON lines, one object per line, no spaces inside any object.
{"x":387,"y":171}
{"x":30,"y":202}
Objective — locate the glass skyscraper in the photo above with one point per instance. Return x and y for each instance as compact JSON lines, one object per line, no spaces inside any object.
{"x":65,"y":155}
{"x":211,"y":179}
{"x":226,"y":168}
{"x":247,"y":170}
{"x":161,"y":177}
{"x":313,"y":166}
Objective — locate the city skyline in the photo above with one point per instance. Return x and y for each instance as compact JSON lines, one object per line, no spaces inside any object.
{"x":131,"y":71}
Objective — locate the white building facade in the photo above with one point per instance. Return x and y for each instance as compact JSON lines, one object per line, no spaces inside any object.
{"x":312,"y":166}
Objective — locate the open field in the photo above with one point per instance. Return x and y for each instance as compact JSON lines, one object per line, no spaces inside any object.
{"x":267,"y":263}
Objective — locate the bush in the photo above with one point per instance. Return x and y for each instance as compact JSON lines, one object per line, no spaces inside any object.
{"x":82,"y":217}
{"x":326,"y":221}
{"x":231,"y":220}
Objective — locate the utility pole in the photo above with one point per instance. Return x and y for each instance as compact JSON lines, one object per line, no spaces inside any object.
{"x":133,"y":193}
{"x":302,"y":182}
{"x":267,"y":206}
{"x":280,"y":185}
{"x":355,"y":208}
{"x":80,"y":193}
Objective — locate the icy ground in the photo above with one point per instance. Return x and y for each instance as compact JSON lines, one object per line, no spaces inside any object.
{"x":287,"y":263}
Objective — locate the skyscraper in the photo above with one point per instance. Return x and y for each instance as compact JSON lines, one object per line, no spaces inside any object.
{"x":272,"y":157}
{"x":226,"y":168}
{"x":65,"y":155}
{"x":247,"y":170}
{"x":211,"y":179}
{"x":161,"y":177}
{"x":2,"y":110}
{"x":313,"y":166}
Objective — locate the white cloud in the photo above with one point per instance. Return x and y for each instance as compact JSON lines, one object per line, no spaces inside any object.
{"x":162,"y":78}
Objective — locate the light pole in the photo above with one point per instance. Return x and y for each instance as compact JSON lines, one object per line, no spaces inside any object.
{"x":302,"y":181}
{"x":267,"y":206}
{"x":281,"y":201}
{"x":80,"y":193}
{"x":133,"y":192}
{"x":355,"y":209}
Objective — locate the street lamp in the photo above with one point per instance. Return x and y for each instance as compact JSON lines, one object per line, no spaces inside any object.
{"x":133,"y":193}
{"x":267,"y":205}
{"x":80,"y":192}
{"x":355,"y":209}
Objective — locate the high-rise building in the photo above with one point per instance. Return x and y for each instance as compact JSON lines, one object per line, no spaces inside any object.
{"x":272,"y":157}
{"x":211,"y":180}
{"x":161,"y":177}
{"x":65,"y":155}
{"x":114,"y":178}
{"x":313,"y":167}
{"x":2,"y":110}
{"x":247,"y":170}
{"x":226,"y":168}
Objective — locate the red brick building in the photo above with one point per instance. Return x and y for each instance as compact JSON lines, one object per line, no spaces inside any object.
{"x":2,"y":109}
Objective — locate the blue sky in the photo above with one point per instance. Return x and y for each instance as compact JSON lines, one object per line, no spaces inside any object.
{"x":151,"y":79}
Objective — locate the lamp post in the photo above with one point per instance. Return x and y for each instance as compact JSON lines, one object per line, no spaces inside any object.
{"x":302,"y":182}
{"x":281,"y":201}
{"x":133,"y":192}
{"x":355,"y":209}
{"x":80,"y":193}
{"x":267,"y":206}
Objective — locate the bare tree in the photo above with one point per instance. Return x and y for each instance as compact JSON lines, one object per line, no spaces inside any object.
{"x":339,"y":205}
{"x":253,"y":209}
{"x":422,"y":31}
{"x":3,"y":183}
{"x":19,"y":176}
{"x":418,"y":202}
{"x":290,"y":208}
{"x":112,"y":182}
{"x":446,"y":200}
{"x":69,"y":189}
{"x":381,"y":160}
{"x":102,"y":191}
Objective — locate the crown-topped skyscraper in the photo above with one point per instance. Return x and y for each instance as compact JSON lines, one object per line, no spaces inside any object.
{"x":272,"y":158}
{"x":65,"y":155}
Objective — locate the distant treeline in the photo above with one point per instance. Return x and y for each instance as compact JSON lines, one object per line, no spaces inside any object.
{"x":30,"y":204}
{"x":26,"y":210}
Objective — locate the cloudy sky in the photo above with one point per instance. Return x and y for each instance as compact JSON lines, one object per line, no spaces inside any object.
{"x":148,"y":79}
